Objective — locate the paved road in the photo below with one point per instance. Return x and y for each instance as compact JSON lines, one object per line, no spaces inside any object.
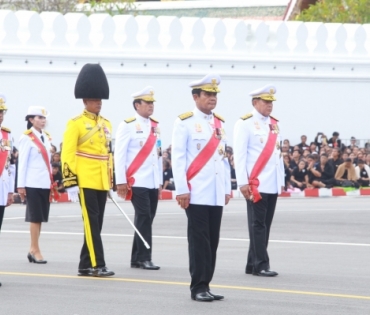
{"x":320,"y":247}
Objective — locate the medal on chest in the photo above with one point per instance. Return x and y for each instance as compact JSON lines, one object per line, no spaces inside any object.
{"x":221,"y":150}
{"x":274,"y":128}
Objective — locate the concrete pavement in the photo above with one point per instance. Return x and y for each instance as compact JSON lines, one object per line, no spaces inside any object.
{"x":320,"y":247}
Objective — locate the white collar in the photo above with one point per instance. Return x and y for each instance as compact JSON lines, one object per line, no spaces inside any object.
{"x":141,"y":118}
{"x":200,"y":114}
{"x":259,"y":116}
{"x":35,"y":132}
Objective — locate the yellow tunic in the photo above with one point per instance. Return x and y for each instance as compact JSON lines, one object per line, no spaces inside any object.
{"x":86,"y":158}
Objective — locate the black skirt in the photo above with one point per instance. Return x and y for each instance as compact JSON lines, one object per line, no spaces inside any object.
{"x":38,"y":205}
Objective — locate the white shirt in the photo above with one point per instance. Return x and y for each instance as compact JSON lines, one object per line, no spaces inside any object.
{"x":213,"y":182}
{"x":32,"y":169}
{"x":250,"y":137}
{"x":7,"y":177}
{"x":130,"y":138}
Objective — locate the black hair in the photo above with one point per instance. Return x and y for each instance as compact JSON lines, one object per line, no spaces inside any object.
{"x":360,"y":161}
{"x":138,"y":101}
{"x":324,"y":154}
{"x":29,"y":124}
{"x":55,"y":165}
{"x":196,"y":91}
{"x":335,"y":134}
{"x":349,"y":160}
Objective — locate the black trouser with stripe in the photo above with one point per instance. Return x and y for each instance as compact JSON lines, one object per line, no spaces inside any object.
{"x":2,"y":210}
{"x":260,"y":217}
{"x":93,"y":205}
{"x":204,"y":223}
{"x":145,"y":203}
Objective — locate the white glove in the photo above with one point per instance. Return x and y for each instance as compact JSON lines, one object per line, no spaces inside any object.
{"x":73,"y":193}
{"x":110,"y":194}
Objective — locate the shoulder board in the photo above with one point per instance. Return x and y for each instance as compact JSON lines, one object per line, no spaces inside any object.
{"x":219,"y":117}
{"x":5,"y":129}
{"x":247,"y":116}
{"x":186,"y":115}
{"x":274,"y":118}
{"x":48,"y":134}
{"x":77,"y":117}
{"x":153,"y":119}
{"x":128,"y":120}
{"x":27,"y":132}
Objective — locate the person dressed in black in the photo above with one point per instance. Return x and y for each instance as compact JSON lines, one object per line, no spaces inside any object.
{"x":296,"y":157}
{"x":323,"y":173}
{"x":299,"y":178}
{"x":336,"y":159}
{"x":167,"y":175}
{"x":363,"y":173}
{"x":57,"y":177}
{"x":335,"y":142}
{"x":303,"y":145}
{"x":287,"y":171}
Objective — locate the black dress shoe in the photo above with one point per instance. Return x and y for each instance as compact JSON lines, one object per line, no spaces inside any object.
{"x":248,"y":271}
{"x":265,"y":273}
{"x":147,"y":265}
{"x":85,"y":272}
{"x":216,"y":296}
{"x":203,"y":297}
{"x":135,"y":264}
{"x":32,"y":259}
{"x":101,"y":272}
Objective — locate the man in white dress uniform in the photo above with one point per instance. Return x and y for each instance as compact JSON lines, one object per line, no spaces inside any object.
{"x":7,"y":168}
{"x":138,"y":169}
{"x":202,"y":177}
{"x":260,"y":174}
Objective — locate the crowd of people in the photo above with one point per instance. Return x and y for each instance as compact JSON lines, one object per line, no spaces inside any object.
{"x":322,"y":163}
{"x":325,"y":163}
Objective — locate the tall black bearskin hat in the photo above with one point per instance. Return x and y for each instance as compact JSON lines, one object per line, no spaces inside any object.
{"x":92,"y":83}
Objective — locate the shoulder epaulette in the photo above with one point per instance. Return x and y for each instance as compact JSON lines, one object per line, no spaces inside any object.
{"x":219,"y":117}
{"x":77,"y":117}
{"x":153,"y":119}
{"x":186,"y":115}
{"x":274,"y":118}
{"x":129,"y":120}
{"x":5,"y":129}
{"x":27,"y":132}
{"x":247,"y":116}
{"x":48,"y":134}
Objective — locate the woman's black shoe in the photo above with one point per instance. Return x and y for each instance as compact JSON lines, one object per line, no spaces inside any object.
{"x":32,"y":259}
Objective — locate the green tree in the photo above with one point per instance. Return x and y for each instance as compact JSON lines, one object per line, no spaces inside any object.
{"x":337,"y":11}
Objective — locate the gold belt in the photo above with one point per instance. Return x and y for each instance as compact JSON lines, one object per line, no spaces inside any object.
{"x":93,"y":156}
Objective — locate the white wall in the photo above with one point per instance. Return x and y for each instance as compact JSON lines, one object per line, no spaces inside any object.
{"x":321,"y":71}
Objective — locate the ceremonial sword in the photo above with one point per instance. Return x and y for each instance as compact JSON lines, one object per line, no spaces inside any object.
{"x":128,"y":219}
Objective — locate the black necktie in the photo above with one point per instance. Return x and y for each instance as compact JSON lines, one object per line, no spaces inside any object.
{"x":42,"y":138}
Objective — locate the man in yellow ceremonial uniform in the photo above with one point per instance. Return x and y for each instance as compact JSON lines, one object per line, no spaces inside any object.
{"x":87,"y":165}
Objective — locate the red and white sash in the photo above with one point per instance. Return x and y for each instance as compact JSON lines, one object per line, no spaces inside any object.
{"x":140,"y":158}
{"x":262,"y":161}
{"x":204,"y":156}
{"x":53,"y":186}
{"x":3,"y":154}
